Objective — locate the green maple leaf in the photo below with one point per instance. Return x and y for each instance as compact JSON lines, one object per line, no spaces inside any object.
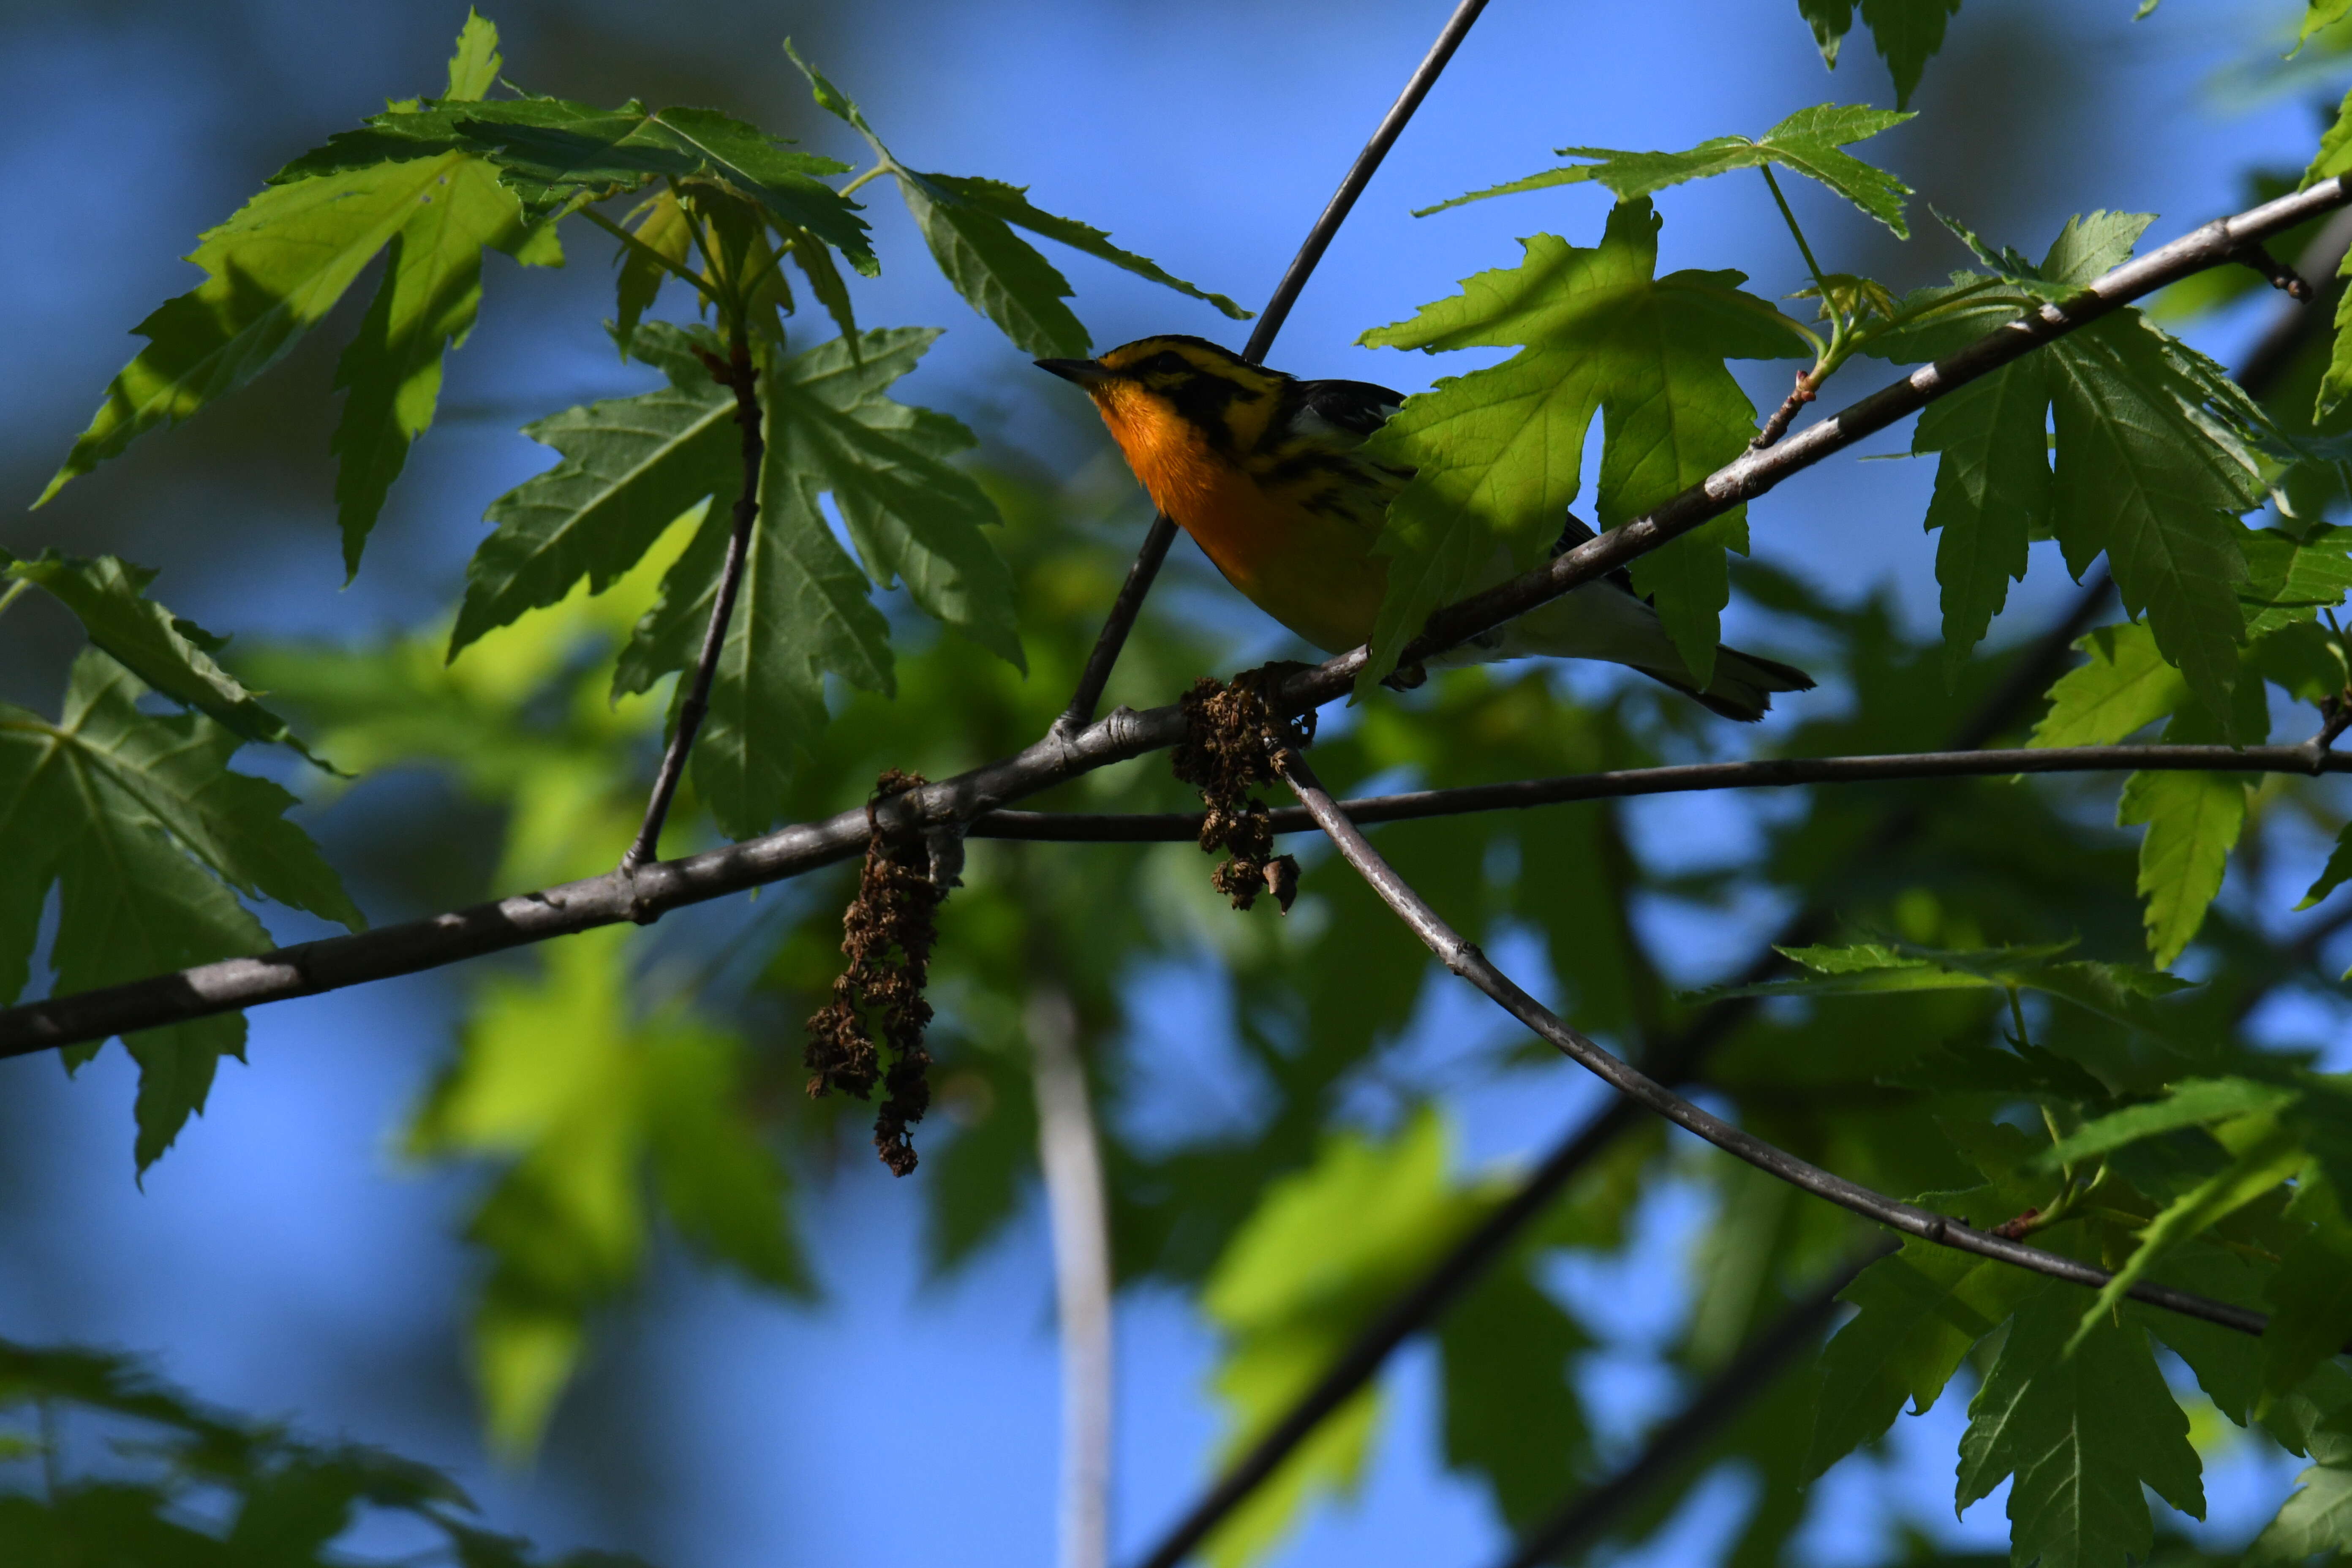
{"x":425,"y":306}
{"x":281,"y":262}
{"x":275,"y":268}
{"x":802,"y":613}
{"x":2291,"y":579}
{"x":171,"y":655}
{"x":1497,"y":452}
{"x":1906,"y":33}
{"x":805,"y":609}
{"x":555,"y":155}
{"x":912,"y":515}
{"x":2193,"y":822}
{"x":1919,"y":1313}
{"x":1325,"y":1251}
{"x":582,"y":1103}
{"x":2316,"y":1518}
{"x":631,"y":466}
{"x":1807,"y":143}
{"x":968,"y":223}
{"x":2082,"y":1433}
{"x":2190,"y":1103}
{"x":1993,"y":495}
{"x":2124,"y":687}
{"x":2154,"y":461}
{"x":2334,"y":158}
{"x":141,"y":823}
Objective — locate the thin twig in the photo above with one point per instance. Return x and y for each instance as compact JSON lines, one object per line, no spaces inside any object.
{"x":1464,"y":959}
{"x":1148,"y":559}
{"x":2277,"y":273}
{"x":737,"y":373}
{"x":1585,"y":1516}
{"x":1766,"y":773}
{"x":660,"y":886}
{"x":1786,"y":415}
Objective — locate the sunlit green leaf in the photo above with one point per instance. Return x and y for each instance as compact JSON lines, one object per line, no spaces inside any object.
{"x":1808,"y":142}
{"x":1495,"y":452}
{"x":630,"y":466}
{"x":968,"y":223}
{"x":174,"y":656}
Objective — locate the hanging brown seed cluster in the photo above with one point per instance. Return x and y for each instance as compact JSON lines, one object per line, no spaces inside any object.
{"x":1228,"y":750}
{"x":887,"y":935}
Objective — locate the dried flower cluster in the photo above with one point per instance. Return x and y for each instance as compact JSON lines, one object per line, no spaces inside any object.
{"x":887,"y":934}
{"x":1230,"y":737}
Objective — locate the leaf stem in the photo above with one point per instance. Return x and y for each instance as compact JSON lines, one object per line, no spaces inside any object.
{"x":1837,"y":318}
{"x":741,"y":376}
{"x":16,"y":590}
{"x":875,"y":173}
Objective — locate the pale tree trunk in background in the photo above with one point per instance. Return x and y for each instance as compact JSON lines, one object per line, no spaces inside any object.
{"x":1080,"y":1218}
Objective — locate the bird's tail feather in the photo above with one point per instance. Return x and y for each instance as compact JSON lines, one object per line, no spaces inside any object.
{"x":1743,"y":684}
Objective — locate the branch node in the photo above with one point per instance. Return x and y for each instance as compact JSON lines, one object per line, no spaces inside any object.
{"x":2335,"y":718}
{"x":887,"y":935}
{"x":2281,"y":276}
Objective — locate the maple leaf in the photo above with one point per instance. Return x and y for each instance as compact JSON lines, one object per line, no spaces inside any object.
{"x":1499,"y":452}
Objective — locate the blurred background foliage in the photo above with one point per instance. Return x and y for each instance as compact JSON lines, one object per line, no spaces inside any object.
{"x":567,"y":1188}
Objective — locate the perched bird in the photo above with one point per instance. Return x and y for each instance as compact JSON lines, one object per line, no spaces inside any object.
{"x":1263,"y":471}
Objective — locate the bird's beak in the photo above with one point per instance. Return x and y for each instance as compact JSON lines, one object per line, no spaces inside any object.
{"x":1086,"y":373}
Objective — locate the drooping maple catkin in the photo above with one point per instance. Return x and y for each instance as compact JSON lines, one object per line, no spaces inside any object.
{"x":887,"y":934}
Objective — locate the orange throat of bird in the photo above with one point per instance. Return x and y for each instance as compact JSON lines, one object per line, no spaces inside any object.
{"x":1167,"y":454}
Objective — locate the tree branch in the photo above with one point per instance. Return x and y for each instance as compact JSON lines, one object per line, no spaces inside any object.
{"x":1078,"y":1214}
{"x":1766,"y":772}
{"x":1148,"y":559}
{"x":1465,"y":960}
{"x":658,"y":887}
{"x":736,"y":373}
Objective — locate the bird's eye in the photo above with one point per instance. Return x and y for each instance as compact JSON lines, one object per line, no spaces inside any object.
{"x":1166,"y":363}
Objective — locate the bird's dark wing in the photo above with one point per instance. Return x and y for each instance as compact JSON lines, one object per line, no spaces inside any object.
{"x":1357,"y":407}
{"x":1574,"y":530}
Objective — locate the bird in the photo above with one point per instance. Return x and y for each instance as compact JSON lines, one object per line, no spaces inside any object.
{"x":1265,"y":471}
